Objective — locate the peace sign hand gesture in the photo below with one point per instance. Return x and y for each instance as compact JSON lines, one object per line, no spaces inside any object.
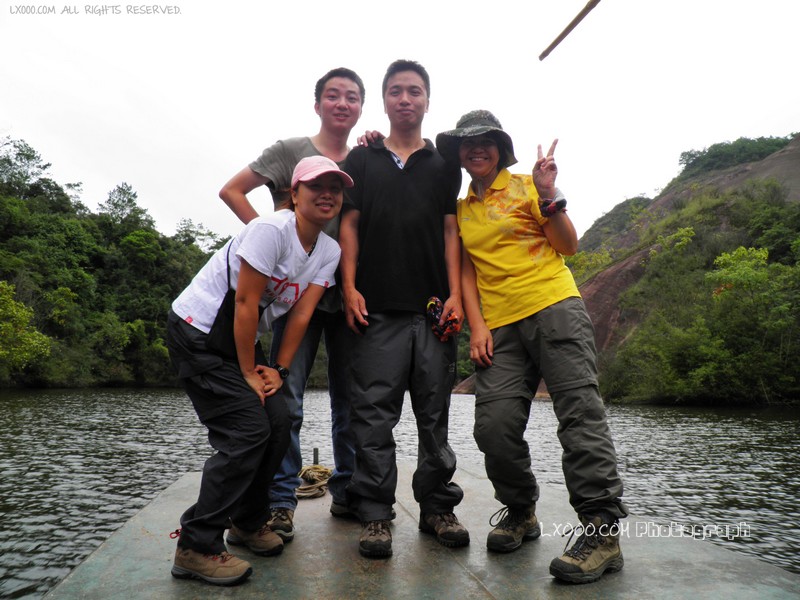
{"x":545,"y":171}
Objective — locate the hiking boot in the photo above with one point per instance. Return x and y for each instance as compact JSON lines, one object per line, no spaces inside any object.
{"x":281,"y":523}
{"x":449,"y":532}
{"x":376,"y":539}
{"x":263,"y":542}
{"x":512,"y":526}
{"x":596,"y":551}
{"x":219,"y":569}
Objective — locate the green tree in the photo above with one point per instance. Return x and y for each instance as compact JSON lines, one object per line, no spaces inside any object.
{"x":20,"y":343}
{"x":728,"y":154}
{"x":20,"y":166}
{"x":142,"y":250}
{"x":188,"y":233}
{"x":758,"y":318}
{"x":585,"y":264}
{"x":121,"y":214}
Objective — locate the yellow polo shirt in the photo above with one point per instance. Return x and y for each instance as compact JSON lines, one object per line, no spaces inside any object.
{"x":519,"y":273}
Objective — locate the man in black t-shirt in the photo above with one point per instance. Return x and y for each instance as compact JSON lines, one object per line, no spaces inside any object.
{"x":400,"y":246}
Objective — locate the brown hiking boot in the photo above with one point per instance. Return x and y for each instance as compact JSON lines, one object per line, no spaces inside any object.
{"x":449,"y":532}
{"x":219,"y":569}
{"x":596,"y":551}
{"x":263,"y":542}
{"x":376,"y":539}
{"x":512,"y":526}
{"x":282,"y":523}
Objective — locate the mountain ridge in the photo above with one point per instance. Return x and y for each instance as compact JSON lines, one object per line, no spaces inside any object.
{"x":602,"y":292}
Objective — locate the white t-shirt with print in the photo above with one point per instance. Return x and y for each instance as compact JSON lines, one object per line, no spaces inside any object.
{"x":270,"y":245}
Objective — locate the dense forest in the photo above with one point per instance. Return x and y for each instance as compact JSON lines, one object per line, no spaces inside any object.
{"x":84,"y":296}
{"x":714,"y":318}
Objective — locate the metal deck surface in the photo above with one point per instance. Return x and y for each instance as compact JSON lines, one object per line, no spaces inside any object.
{"x":323,"y":560}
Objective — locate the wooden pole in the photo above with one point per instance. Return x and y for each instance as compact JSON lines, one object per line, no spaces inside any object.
{"x":570,"y":27}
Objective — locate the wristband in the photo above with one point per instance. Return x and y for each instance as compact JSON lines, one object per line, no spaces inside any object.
{"x":551,"y":206}
{"x":282,"y":371}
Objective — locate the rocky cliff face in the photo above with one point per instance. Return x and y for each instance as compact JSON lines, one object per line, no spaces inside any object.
{"x":601,"y":293}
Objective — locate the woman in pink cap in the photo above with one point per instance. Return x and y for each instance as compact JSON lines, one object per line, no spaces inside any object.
{"x":278,"y":264}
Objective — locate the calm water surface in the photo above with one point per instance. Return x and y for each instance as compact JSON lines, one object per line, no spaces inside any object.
{"x":75,"y":465}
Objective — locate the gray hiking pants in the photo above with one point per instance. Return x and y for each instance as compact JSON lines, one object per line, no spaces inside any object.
{"x":556,"y":344}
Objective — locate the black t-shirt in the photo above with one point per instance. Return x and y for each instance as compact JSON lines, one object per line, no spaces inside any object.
{"x":401,"y":225}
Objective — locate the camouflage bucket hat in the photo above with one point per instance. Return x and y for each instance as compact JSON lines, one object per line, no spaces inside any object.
{"x":472,"y":124}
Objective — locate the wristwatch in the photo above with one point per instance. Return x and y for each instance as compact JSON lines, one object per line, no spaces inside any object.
{"x":282,"y":371}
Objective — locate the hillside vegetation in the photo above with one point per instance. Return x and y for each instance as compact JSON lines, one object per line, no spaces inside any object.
{"x":695,"y":293}
{"x":84,"y":296}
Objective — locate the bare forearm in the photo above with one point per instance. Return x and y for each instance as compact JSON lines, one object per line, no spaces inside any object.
{"x":234,"y":193}
{"x":561,"y":234}
{"x":239,"y":204}
{"x":297,"y":324}
{"x":452,"y":251}
{"x":469,"y":291}
{"x":348,"y":242}
{"x":245,"y":327}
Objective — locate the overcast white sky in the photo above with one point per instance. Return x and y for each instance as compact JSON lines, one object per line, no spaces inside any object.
{"x":175,"y":104}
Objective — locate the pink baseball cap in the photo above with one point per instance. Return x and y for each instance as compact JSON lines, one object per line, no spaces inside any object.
{"x":312,"y":167}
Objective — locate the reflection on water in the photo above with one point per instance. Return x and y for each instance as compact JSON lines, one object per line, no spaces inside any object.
{"x":75,"y":465}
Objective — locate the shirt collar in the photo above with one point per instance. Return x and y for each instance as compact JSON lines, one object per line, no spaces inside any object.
{"x":500,"y":183}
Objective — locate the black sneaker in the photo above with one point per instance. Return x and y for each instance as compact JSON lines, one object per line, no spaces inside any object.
{"x":281,"y":522}
{"x":449,"y":532}
{"x":512,"y":526}
{"x":596,"y":551}
{"x":376,"y":539}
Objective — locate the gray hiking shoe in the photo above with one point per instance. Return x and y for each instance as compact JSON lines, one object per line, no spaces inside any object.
{"x":512,"y":526}
{"x":282,"y":523}
{"x":219,"y":569}
{"x":449,"y":532}
{"x":263,"y":542}
{"x":376,"y":539}
{"x":596,"y":551}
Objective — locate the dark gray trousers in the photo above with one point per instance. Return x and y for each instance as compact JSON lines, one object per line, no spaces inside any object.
{"x":556,"y":343}
{"x":399,"y":352}
{"x":250,"y":441}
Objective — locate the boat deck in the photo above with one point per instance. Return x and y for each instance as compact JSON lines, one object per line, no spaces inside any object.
{"x":323,"y":560}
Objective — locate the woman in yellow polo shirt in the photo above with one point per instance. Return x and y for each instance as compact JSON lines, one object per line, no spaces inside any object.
{"x":528,"y":322}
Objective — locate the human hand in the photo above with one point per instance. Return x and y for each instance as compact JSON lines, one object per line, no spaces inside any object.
{"x":481,"y":345}
{"x":545,"y":171}
{"x":355,"y":311}
{"x":445,"y":318}
{"x":370,"y":137}
{"x":452,"y":306}
{"x":264,"y":381}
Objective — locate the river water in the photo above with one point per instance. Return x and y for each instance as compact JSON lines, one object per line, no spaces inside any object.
{"x":76,"y":464}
